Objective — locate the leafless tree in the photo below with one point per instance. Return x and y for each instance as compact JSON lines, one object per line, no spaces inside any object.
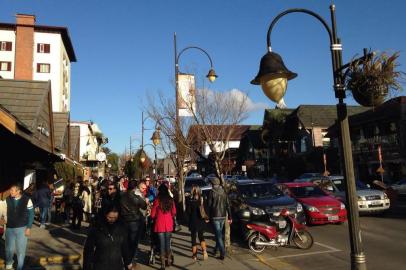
{"x":163,"y":110}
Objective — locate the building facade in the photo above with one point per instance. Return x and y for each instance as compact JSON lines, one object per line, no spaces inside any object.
{"x":36,"y":52}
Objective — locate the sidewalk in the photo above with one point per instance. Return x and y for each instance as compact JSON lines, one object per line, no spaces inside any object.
{"x":57,"y":247}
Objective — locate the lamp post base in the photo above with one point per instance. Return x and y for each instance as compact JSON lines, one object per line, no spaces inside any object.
{"x":358,"y":261}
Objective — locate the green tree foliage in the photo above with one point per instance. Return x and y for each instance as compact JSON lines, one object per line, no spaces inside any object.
{"x":113,"y":159}
{"x":67,"y":171}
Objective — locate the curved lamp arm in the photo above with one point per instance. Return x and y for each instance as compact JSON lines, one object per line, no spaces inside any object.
{"x":298,"y":10}
{"x":192,"y":47}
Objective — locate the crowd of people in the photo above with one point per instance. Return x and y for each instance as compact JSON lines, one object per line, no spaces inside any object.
{"x":119,"y":213}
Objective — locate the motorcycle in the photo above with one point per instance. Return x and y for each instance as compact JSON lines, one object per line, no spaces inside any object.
{"x":283,"y":230}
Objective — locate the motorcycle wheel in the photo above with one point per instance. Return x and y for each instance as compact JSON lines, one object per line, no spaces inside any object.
{"x":252,"y":242}
{"x":303,"y":239}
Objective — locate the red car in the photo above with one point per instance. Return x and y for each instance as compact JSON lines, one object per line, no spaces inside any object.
{"x":320,"y":208}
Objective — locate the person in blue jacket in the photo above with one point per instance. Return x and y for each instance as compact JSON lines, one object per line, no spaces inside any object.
{"x":20,"y":216}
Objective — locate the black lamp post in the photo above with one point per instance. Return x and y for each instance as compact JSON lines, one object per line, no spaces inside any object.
{"x":211,"y":76}
{"x":273,"y":76}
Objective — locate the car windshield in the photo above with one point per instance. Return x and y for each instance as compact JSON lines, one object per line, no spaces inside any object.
{"x":340,"y":185}
{"x":361,"y":185}
{"x":199,"y":182}
{"x":259,"y":191}
{"x":307,"y":191}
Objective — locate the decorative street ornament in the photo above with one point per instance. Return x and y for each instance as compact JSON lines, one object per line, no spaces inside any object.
{"x":273,"y":77}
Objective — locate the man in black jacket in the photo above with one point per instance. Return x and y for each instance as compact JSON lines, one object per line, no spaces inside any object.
{"x":106,"y":246}
{"x":218,"y":207}
{"x":131,"y":206}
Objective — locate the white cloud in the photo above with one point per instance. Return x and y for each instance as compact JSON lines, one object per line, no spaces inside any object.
{"x":238,"y":95}
{"x":251,"y":105}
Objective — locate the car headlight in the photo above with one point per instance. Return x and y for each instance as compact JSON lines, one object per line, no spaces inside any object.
{"x":311,"y":208}
{"x":257,"y":211}
{"x":360,"y":198}
{"x":385,"y":196}
{"x":299,"y":207}
{"x":342,"y":206}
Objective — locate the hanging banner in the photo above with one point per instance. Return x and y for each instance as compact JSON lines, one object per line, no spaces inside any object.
{"x":186,"y":94}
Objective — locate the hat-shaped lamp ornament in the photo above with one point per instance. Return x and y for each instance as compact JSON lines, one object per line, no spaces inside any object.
{"x":273,"y":77}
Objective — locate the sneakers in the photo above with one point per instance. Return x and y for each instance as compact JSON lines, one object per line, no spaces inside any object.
{"x":9,"y":267}
{"x":42,"y":226}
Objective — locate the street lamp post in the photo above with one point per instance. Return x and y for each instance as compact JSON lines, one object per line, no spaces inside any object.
{"x":273,"y":76}
{"x":211,"y":75}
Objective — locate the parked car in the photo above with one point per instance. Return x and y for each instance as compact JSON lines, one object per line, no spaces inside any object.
{"x":400,"y":187}
{"x":369,"y":200}
{"x":190,"y":181}
{"x":257,"y":200}
{"x":320,"y":207}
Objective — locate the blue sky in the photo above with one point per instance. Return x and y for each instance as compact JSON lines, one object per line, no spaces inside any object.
{"x":125,"y":49}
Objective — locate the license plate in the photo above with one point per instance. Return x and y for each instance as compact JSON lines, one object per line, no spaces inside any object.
{"x":376,"y":202}
{"x":332,"y":217}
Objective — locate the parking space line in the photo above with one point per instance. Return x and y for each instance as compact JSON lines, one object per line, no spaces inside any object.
{"x":327,"y":246}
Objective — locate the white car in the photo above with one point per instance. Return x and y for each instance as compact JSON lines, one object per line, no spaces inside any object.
{"x":400,"y":187}
{"x":369,"y":200}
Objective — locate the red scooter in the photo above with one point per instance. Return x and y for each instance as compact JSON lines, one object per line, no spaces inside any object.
{"x":283,"y":230}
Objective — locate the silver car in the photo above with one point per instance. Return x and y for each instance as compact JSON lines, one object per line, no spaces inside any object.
{"x":369,"y":200}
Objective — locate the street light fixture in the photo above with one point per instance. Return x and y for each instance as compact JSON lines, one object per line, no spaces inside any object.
{"x":273,"y":76}
{"x":211,"y":77}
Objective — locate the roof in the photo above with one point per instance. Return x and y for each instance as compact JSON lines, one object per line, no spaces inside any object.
{"x":391,"y":109}
{"x":24,"y":99}
{"x":51,"y":29}
{"x":61,"y":120}
{"x":321,"y":115}
{"x":219,"y":132}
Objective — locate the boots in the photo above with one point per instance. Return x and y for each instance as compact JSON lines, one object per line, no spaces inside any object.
{"x":204,"y":250}
{"x":169,"y":259}
{"x":194,"y":253}
{"x":163,"y":261}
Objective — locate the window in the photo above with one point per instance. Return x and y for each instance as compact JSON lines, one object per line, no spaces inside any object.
{"x":43,"y":48}
{"x":43,"y":68}
{"x":5,"y":45}
{"x":5,"y":66}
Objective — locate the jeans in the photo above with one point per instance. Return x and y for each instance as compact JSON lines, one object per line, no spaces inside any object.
{"x":43,"y":214}
{"x":165,"y":243}
{"x":16,"y":241}
{"x":135,"y":229}
{"x":218,"y":225}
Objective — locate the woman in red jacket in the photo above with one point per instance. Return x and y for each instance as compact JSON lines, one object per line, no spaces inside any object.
{"x":163,"y":211}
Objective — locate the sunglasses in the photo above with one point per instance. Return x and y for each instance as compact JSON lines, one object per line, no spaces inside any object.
{"x":111,"y":188}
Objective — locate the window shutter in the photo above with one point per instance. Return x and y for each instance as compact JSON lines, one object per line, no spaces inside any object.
{"x":38,"y":47}
{"x":9,"y":66}
{"x":47,"y":48}
{"x":38,"y":67}
{"x":9,"y":46}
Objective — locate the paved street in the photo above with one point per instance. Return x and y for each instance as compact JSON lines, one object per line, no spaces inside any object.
{"x":384,"y":241}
